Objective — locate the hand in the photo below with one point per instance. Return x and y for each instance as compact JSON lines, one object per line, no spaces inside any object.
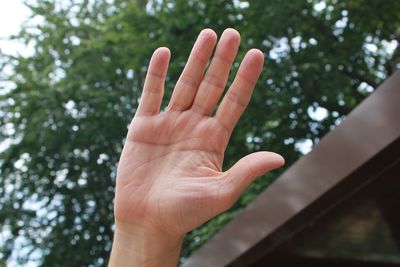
{"x":170,"y":177}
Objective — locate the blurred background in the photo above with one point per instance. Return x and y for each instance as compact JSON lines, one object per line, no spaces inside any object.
{"x":71,"y":73}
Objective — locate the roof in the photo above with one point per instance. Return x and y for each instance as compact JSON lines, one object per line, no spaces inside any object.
{"x":334,"y":170}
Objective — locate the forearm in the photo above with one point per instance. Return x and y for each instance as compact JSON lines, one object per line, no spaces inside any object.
{"x":144,"y":249}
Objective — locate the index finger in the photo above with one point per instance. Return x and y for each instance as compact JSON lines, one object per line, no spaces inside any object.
{"x":238,"y":96}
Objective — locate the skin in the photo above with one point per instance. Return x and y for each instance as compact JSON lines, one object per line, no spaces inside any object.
{"x":170,"y":178}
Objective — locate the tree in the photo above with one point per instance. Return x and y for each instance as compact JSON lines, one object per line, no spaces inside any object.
{"x":65,"y":117}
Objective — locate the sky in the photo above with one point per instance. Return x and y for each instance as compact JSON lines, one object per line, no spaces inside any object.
{"x":12,"y":14}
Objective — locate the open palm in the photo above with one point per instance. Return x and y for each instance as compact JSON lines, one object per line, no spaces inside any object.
{"x":170,"y":174}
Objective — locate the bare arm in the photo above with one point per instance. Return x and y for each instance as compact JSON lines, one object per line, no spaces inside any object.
{"x":170,"y":177}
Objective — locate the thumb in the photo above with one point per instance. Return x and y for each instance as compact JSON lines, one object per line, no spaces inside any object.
{"x":247,"y":169}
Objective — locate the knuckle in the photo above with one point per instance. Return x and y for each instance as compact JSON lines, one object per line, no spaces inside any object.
{"x":188,"y":80}
{"x":198,"y":108}
{"x":214,"y":80}
{"x":224,"y":59}
{"x":235,"y":98}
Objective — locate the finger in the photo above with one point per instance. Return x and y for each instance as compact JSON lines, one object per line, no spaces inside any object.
{"x":186,"y":87}
{"x":153,"y":89}
{"x":214,"y":81}
{"x":238,"y":96}
{"x":247,"y":169}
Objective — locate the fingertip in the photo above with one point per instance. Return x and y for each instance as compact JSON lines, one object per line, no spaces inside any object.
{"x":256,"y":51}
{"x":208,"y":34}
{"x":252,"y":65}
{"x":278,"y":159}
{"x":272,"y":160}
{"x":232,"y":34}
{"x":161,"y":57}
{"x":256,"y":55}
{"x":162,"y":52}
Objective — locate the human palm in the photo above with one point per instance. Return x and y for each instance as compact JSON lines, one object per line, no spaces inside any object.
{"x":170,"y":174}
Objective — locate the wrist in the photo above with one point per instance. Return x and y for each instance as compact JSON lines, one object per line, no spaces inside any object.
{"x":141,"y":246}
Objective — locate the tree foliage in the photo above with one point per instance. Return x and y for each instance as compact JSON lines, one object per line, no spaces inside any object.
{"x":65,"y":108}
